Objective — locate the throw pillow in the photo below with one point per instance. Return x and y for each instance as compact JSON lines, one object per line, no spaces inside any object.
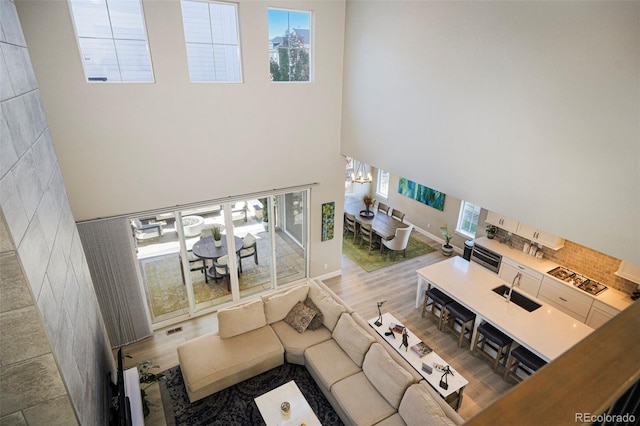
{"x":317,"y":320}
{"x":299,"y":317}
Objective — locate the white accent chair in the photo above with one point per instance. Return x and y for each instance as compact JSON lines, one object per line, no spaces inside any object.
{"x":399,"y":241}
{"x":249,"y":248}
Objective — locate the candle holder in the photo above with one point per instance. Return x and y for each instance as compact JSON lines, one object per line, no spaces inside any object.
{"x":378,"y":322}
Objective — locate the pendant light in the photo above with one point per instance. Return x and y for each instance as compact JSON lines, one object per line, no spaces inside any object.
{"x":360,"y":175}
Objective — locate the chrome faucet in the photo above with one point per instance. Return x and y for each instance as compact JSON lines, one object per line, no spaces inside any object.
{"x":514,"y":283}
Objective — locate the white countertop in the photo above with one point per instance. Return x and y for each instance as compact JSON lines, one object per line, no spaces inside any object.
{"x":612,"y":297}
{"x":546,"y":331}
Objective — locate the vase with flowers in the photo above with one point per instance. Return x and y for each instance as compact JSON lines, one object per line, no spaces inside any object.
{"x":368,"y":202}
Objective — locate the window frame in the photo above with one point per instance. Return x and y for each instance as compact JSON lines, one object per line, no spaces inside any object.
{"x":113,"y":39}
{"x":311,"y":44}
{"x":461,"y":216}
{"x":379,"y":175}
{"x":213,"y":43}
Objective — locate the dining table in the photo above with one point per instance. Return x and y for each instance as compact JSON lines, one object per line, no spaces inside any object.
{"x":206,"y":248}
{"x":382,"y":224}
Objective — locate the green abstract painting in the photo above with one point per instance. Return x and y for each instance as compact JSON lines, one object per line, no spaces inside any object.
{"x":421,"y":193}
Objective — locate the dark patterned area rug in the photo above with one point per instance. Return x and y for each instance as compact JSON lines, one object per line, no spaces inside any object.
{"x":235,"y":405}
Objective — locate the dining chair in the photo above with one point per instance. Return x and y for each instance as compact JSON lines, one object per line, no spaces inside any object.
{"x":367,"y":234}
{"x":249,"y":249}
{"x":399,"y":241}
{"x":350,"y":225}
{"x":383,"y":208}
{"x":195,"y":264}
{"x":221,"y":269}
{"x":398,"y":215}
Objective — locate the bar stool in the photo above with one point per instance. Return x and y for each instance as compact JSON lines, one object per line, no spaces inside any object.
{"x":438,"y":300}
{"x":454,"y":313}
{"x":488,"y":335}
{"x":524,"y":359}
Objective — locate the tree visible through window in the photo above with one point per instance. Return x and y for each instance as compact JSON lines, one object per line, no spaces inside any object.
{"x":289,"y":45}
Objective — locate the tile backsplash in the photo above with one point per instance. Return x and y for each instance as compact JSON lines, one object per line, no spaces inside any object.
{"x":583,"y":260}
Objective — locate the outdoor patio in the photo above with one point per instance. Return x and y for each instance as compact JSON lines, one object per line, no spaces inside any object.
{"x":160,"y":263}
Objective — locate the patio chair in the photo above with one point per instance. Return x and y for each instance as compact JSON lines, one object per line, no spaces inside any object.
{"x":220,"y":269}
{"x":399,"y":241}
{"x":239,"y":210}
{"x":195,"y":264}
{"x":146,"y":231}
{"x":249,"y":249}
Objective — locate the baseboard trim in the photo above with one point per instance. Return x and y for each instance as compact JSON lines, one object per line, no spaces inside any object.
{"x":329,"y":275}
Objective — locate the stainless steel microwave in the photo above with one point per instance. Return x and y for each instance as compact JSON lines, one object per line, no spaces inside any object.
{"x":487,"y":258}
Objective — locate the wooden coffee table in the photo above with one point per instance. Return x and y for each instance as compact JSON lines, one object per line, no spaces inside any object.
{"x":453,"y":394}
{"x":301,"y":412}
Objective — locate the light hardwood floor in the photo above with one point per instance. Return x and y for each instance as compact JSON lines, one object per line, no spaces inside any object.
{"x":361,"y":290}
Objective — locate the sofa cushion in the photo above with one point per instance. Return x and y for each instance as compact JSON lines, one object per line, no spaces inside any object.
{"x":328,"y":363}
{"x":352,"y":338}
{"x":278,"y":305}
{"x":299,"y":317}
{"x":386,"y":375}
{"x":318,"y":319}
{"x":331,"y":310}
{"x":296,"y":343}
{"x":360,"y":401}
{"x":419,"y":408}
{"x":210,"y":363}
{"x":241,"y":318}
{"x":394,"y":420}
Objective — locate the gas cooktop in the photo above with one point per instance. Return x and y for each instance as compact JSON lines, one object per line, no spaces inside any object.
{"x":577,"y":280}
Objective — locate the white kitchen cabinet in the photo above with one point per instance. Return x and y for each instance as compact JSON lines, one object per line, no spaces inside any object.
{"x":502,"y":222}
{"x":539,"y":236}
{"x":530,"y":280}
{"x":600,"y":313}
{"x":566,"y":299}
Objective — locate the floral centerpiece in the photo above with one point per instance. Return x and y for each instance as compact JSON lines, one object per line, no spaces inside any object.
{"x":368,"y":202}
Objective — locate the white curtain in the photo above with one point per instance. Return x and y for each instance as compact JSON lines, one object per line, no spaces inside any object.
{"x":109,"y":250}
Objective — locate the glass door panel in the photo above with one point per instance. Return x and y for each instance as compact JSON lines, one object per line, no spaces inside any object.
{"x":158,"y":255}
{"x":290,"y":237}
{"x":209,"y":287}
{"x":254,"y":250}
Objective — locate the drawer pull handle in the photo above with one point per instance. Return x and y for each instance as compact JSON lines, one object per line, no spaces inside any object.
{"x":562,"y":298}
{"x":520,"y":267}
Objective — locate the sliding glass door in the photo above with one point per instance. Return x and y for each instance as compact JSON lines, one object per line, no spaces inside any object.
{"x":197,"y":259}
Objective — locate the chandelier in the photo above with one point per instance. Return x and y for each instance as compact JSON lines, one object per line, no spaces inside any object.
{"x":360,"y":175}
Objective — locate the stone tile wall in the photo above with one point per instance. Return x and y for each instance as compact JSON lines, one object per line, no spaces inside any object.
{"x":583,"y":260}
{"x":54,"y":350}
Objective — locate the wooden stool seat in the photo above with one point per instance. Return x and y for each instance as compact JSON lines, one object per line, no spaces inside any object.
{"x":438,"y":301}
{"x":490,"y":336}
{"x":524,"y":359}
{"x":454,"y":313}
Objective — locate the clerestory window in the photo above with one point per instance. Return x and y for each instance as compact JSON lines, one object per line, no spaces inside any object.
{"x":112,"y":39}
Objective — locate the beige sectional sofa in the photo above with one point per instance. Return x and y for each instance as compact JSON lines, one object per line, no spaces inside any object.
{"x":366,"y":381}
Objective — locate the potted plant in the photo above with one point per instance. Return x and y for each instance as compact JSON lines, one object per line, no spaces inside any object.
{"x":368,"y":202}
{"x":447,"y":249}
{"x":491,"y":231}
{"x":217,"y":236}
{"x":147,"y":378}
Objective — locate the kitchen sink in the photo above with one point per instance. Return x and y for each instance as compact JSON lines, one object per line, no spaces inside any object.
{"x":517,"y":298}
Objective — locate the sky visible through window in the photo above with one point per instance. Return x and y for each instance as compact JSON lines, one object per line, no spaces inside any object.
{"x":280,"y":20}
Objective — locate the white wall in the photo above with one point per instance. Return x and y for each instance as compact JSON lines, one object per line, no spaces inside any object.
{"x":530,"y":109}
{"x":132,"y":147}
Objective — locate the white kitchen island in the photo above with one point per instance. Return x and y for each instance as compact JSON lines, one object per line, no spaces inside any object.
{"x":546,"y":331}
